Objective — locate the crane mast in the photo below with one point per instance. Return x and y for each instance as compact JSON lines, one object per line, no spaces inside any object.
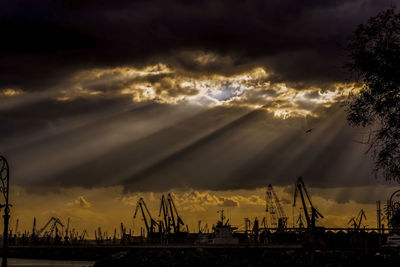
{"x":356,"y":221}
{"x":278,"y":217}
{"x":176,"y":223}
{"x":150,"y":223}
{"x":53,"y":222}
{"x":300,"y":187}
{"x":164,"y":212}
{"x":361,"y":215}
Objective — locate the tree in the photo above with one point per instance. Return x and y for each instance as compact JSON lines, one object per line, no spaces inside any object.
{"x":374,"y":50}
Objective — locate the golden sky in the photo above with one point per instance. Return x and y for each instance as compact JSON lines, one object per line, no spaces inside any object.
{"x":108,"y":207}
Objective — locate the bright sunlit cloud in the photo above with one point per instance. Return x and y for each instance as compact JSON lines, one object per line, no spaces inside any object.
{"x":9,"y":92}
{"x":254,"y":88}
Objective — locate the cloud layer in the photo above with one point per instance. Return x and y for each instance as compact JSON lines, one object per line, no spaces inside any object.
{"x":47,"y":42}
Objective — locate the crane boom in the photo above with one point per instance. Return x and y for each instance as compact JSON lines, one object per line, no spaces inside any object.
{"x":150,"y":223}
{"x":164,"y":211}
{"x":274,"y":208}
{"x":280,"y":209}
{"x":305,"y":190}
{"x":176,"y":224}
{"x":315,"y":214}
{"x":53,"y":220}
{"x":361,"y":215}
{"x":139,"y":205}
{"x":356,"y":221}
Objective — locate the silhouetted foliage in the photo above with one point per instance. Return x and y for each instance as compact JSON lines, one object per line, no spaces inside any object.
{"x":394,"y":218}
{"x":375,"y":58}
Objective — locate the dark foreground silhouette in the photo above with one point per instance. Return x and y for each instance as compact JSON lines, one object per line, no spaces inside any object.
{"x":250,"y":257}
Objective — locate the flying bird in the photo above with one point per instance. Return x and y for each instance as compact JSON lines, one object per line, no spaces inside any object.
{"x":310,"y":130}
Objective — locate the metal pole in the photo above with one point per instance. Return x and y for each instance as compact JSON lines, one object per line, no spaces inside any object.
{"x":4,"y":187}
{"x":5,"y":236}
{"x":378,"y":219}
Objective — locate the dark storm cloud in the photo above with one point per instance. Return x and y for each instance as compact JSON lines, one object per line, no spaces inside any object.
{"x":45,"y":42}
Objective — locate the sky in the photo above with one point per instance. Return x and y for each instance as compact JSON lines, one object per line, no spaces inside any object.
{"x":102,"y":102}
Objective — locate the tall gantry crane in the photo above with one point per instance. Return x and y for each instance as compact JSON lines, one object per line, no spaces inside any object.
{"x":166,"y":219}
{"x":52,"y":224}
{"x":149,"y":222}
{"x":276,"y":213}
{"x":175,"y":219}
{"x":356,"y":221}
{"x":300,"y":187}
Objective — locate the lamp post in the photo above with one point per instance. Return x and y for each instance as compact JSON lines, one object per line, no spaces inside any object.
{"x":4,"y":186}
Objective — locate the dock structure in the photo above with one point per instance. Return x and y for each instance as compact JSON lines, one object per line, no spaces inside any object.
{"x":169,"y":228}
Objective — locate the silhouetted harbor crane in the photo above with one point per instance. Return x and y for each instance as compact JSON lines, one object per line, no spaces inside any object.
{"x":149,"y":222}
{"x":175,"y":218}
{"x":315,"y":214}
{"x":50,"y":228}
{"x":277,"y":216}
{"x":166,"y":223}
{"x":356,"y":221}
